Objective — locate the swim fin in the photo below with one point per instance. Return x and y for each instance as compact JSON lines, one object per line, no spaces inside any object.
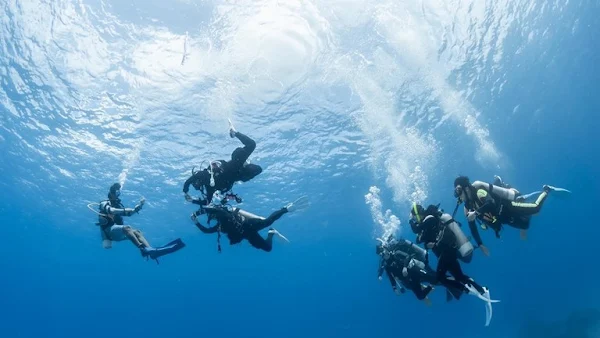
{"x":488,"y":308}
{"x":526,"y":197}
{"x":278,"y":234}
{"x":232,"y":130}
{"x":474,"y":292}
{"x":559,"y":192}
{"x":299,"y":204}
{"x":169,"y":248}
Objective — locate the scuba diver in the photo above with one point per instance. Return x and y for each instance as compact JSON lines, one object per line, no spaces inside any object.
{"x":112,"y":228}
{"x":464,"y":247}
{"x":437,"y":236}
{"x":239,"y":224}
{"x":221,"y":175}
{"x":407,"y":265}
{"x":494,"y":205}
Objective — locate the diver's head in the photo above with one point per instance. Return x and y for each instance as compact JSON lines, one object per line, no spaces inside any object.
{"x":417,"y":213}
{"x":114,"y":193}
{"x":379,"y":249}
{"x":460,"y":187}
{"x":216,"y":167}
{"x":382,"y":250}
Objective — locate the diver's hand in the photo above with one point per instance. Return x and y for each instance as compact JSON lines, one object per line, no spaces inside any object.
{"x":484,"y":249}
{"x":139,"y":206}
{"x":188,"y":197}
{"x":404,"y":272}
{"x":380,"y":278}
{"x":471,"y":215}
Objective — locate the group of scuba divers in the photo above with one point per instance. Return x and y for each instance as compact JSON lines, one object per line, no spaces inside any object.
{"x":215,"y":183}
{"x":487,"y":205}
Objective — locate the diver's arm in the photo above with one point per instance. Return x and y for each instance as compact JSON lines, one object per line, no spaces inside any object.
{"x":201,"y":175}
{"x":240,"y":155}
{"x":381,"y":268}
{"x":475,"y":233}
{"x":206,"y":230}
{"x":407,"y":260}
{"x":392,"y":279}
{"x":249,"y":144}
{"x":122,"y":211}
{"x":218,"y":212}
{"x":419,"y":239}
{"x":199,"y":201}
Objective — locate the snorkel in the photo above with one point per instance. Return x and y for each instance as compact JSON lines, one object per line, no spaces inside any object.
{"x":212,"y":174}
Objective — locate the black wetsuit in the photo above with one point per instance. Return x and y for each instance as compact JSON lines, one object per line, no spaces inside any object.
{"x":495,"y":212}
{"x":393,"y":268}
{"x":400,"y":257}
{"x":230,"y":172}
{"x":238,"y":227}
{"x":433,"y":231}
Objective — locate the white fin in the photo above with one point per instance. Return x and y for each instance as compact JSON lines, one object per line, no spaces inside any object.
{"x":474,"y":292}
{"x":278,"y":234}
{"x":299,"y":204}
{"x":560,"y":190}
{"x":488,"y":308}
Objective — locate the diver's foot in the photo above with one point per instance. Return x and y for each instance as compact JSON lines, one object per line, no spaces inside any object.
{"x":290,"y":207}
{"x":144,"y":251}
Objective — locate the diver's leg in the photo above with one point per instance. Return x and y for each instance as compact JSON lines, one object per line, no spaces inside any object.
{"x":442,"y":268}
{"x":258,"y":224}
{"x":456,"y":271}
{"x":518,"y":209}
{"x":140,"y":237}
{"x":521,"y":223}
{"x":258,"y":242}
{"x":131,"y":235}
{"x":419,"y":291}
{"x":240,"y":155}
{"x":446,"y":264}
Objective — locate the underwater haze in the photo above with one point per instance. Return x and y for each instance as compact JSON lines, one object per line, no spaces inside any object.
{"x":364,"y":106}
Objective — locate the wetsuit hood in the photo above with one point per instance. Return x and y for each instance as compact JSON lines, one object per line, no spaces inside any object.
{"x":462,"y":181}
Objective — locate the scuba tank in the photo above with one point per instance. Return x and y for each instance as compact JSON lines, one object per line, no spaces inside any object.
{"x":497,"y":191}
{"x":463,"y":245}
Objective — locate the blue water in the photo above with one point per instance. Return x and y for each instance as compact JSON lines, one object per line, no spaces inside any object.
{"x":341,"y":96}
